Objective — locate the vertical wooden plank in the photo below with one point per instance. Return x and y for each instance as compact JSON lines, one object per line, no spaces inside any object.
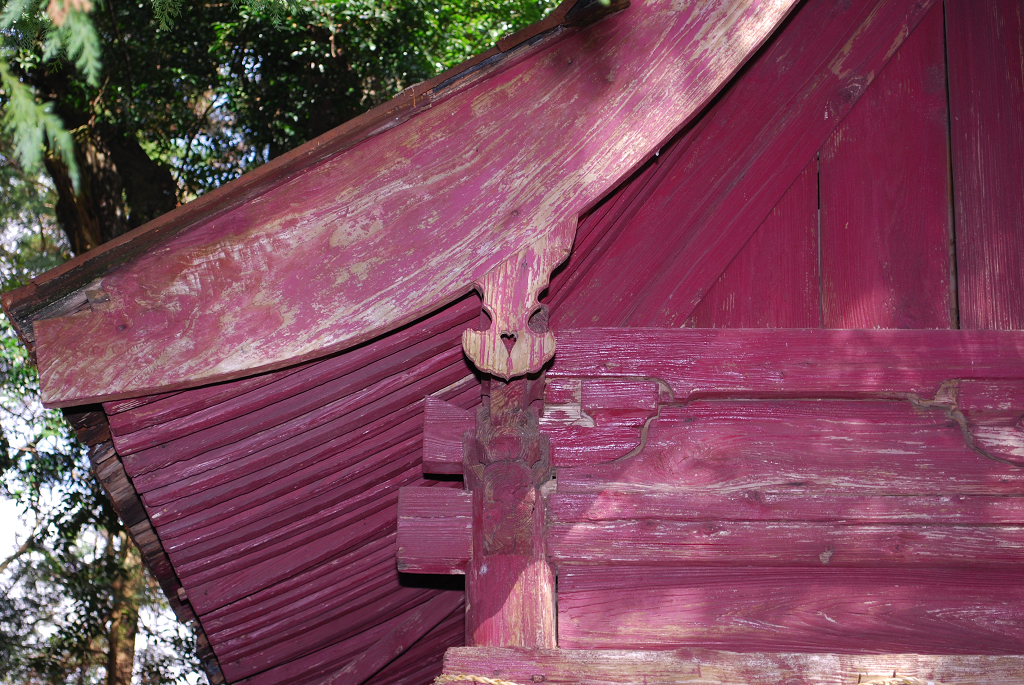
{"x":986,"y":99}
{"x":885,"y":231}
{"x":773,"y":281}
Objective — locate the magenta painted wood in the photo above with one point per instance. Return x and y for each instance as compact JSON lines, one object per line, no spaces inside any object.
{"x":435,"y":530}
{"x":780,"y":362}
{"x":407,"y":220}
{"x":416,"y":624}
{"x":928,"y":611}
{"x":279,"y":402}
{"x":756,"y":141}
{"x":699,"y":666}
{"x":597,"y":501}
{"x":332,"y":495}
{"x":986,"y":100}
{"x":596,"y":420}
{"x":306,"y":589}
{"x":444,"y":425}
{"x":812,"y":446}
{"x":190,"y":411}
{"x":322,"y":467}
{"x":773,"y":281}
{"x":162,"y":465}
{"x":885,"y":197}
{"x":789,"y":544}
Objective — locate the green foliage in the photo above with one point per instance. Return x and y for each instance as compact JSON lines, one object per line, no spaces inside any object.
{"x":32,"y":36}
{"x":209,"y":90}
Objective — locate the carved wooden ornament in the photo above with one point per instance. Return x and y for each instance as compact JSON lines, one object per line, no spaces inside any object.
{"x":510,"y":292}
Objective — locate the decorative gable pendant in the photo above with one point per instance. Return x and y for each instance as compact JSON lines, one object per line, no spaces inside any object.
{"x":511,"y":347}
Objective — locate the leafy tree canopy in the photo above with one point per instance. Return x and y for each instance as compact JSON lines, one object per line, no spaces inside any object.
{"x":111,"y":113}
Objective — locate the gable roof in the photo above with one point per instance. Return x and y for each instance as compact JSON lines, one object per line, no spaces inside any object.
{"x":373,"y":237}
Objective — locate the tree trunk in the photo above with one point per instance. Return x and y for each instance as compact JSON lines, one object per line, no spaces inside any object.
{"x":120,"y":188}
{"x":124,"y":620}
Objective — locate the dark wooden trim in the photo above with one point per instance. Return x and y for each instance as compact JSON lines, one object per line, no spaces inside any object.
{"x":92,"y":429}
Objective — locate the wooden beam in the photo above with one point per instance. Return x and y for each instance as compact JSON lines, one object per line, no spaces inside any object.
{"x":444,"y":425}
{"x":435,"y":530}
{"x":407,"y":220}
{"x":620,"y":667}
{"x":853,"y":610}
{"x":510,"y":586}
{"x":793,"y":363}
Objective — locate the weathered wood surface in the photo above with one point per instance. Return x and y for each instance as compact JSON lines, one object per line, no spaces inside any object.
{"x":749,"y":150}
{"x":513,"y":344}
{"x":773,"y":281}
{"x":783,"y":544}
{"x":620,"y":667}
{"x":409,"y":219}
{"x":813,"y":446}
{"x":435,"y":530}
{"x":592,"y":501}
{"x":510,"y":586}
{"x":417,"y":623}
{"x":986,"y":100}
{"x":62,"y":289}
{"x":850,"y":610}
{"x":444,"y":425}
{"x":885,"y":196}
{"x":593,"y":420}
{"x":780,"y":362}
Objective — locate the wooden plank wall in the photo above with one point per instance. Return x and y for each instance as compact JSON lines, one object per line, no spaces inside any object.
{"x":797,"y":490}
{"x":891,"y":198}
{"x":903,"y":209}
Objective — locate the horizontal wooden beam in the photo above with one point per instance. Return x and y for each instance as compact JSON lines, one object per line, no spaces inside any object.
{"x":853,"y":610}
{"x":790,"y":362}
{"x":378,"y":236}
{"x":620,"y":667}
{"x":435,"y":530}
{"x":785,"y":544}
{"x":444,"y":424}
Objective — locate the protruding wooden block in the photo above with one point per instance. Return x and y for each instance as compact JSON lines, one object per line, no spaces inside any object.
{"x":443,"y":427}
{"x":435,"y":530}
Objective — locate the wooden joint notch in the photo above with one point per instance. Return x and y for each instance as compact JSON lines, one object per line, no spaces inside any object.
{"x":518,"y":341}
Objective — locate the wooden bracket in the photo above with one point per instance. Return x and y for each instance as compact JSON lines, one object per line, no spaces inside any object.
{"x":510,"y":292}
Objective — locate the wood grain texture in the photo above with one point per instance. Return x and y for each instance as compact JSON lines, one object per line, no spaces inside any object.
{"x":415,"y":625}
{"x":596,"y":420}
{"x":186,"y":412}
{"x":435,"y":530}
{"x":756,"y":141}
{"x":621,"y":667}
{"x":986,"y":101}
{"x":444,"y":425}
{"x":780,"y":362}
{"x":812,"y":446}
{"x":929,"y":611}
{"x":510,"y":586}
{"x":512,"y":346}
{"x":409,"y":219}
{"x":773,"y":281}
{"x":60,"y":288}
{"x":885,"y":196}
{"x":590,"y":501}
{"x":783,"y":544}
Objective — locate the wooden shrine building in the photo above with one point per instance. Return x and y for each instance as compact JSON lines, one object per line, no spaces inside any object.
{"x":671,"y":343}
